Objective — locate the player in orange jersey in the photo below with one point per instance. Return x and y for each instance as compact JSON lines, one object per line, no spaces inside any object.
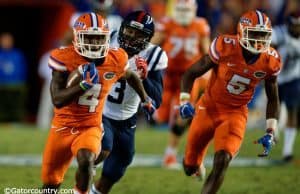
{"x":238,"y":62}
{"x":75,"y":129}
{"x":185,"y":38}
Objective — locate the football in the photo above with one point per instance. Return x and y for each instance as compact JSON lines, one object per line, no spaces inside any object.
{"x":74,"y":78}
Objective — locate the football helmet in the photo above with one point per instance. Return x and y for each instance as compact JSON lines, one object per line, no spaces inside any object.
{"x":293,"y":23}
{"x":184,"y":11}
{"x":91,"y":36}
{"x":254,"y":32}
{"x":136,"y":32}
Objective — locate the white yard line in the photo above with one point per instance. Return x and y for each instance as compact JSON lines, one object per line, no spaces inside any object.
{"x":140,"y":160}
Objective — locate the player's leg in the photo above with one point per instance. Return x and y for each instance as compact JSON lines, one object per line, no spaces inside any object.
{"x":57,"y":157}
{"x":121,"y":156}
{"x":107,"y":139}
{"x":171,"y":98}
{"x":178,"y":125}
{"x":289,"y":93}
{"x":227,"y":139}
{"x":86,"y":147}
{"x":199,"y":135}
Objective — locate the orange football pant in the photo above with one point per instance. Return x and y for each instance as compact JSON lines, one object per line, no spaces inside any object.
{"x":226,"y":126}
{"x":62,"y":145}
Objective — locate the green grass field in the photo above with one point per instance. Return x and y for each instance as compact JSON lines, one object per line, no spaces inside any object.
{"x":279,"y":179}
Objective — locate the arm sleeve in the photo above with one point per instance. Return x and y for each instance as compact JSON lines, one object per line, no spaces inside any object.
{"x":153,"y":85}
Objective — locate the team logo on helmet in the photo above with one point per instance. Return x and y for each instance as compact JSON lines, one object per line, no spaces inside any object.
{"x":79,"y":24}
{"x":245,"y":21}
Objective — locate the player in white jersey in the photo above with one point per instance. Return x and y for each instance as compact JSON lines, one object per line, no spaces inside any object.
{"x":119,"y":115}
{"x":287,"y":40}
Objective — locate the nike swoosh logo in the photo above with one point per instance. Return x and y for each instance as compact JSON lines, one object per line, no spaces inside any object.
{"x":230,"y":65}
{"x":201,"y":108}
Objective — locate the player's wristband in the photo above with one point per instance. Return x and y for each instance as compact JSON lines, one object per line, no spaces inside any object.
{"x":83,"y":87}
{"x":271,"y":123}
{"x":184,"y":96}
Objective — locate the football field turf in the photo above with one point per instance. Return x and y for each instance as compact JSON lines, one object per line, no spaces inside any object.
{"x":274,"y":178}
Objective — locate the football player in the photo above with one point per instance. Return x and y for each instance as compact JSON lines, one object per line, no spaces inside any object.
{"x":185,"y":38}
{"x":76,"y":130}
{"x":238,"y":62}
{"x":120,"y":110}
{"x":287,"y":40}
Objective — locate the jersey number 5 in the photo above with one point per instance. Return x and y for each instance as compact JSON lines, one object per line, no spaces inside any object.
{"x":237,"y":84}
{"x":90,"y":98}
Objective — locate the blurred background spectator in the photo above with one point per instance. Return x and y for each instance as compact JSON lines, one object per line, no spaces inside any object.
{"x":38,"y":25}
{"x":13,"y":73}
{"x":45,"y":108}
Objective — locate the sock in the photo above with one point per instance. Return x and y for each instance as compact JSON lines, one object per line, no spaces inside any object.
{"x":93,"y":190}
{"x":289,"y":140}
{"x":171,"y":151}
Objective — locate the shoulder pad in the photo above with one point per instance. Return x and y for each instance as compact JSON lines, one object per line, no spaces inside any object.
{"x":223,"y":46}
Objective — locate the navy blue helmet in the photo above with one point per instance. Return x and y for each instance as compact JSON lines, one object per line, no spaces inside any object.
{"x":136,"y":32}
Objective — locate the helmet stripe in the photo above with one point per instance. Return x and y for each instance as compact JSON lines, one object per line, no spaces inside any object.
{"x":140,"y":17}
{"x":94,"y":20}
{"x":260,"y":17}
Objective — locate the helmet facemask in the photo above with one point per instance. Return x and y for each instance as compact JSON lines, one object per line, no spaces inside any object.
{"x":255,"y":39}
{"x":92,"y":43}
{"x":133,"y":40}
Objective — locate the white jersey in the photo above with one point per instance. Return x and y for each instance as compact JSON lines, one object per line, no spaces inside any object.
{"x":122,"y":101}
{"x":289,"y":49}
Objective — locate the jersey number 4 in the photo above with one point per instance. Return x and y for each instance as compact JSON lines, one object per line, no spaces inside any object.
{"x":90,"y":98}
{"x":237,"y":84}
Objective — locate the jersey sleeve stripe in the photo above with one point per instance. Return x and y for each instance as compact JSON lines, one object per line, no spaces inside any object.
{"x":57,"y":65}
{"x":150,"y":58}
{"x":213,"y":51}
{"x":157,"y":60}
{"x":113,"y":33}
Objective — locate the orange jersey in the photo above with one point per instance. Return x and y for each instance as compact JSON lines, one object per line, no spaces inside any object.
{"x":232,"y":81}
{"x":86,"y":110}
{"x":182,"y":43}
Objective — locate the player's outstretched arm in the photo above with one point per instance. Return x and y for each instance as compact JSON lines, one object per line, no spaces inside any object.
{"x":196,"y":70}
{"x":153,"y":85}
{"x":272,"y":114}
{"x":63,"y":93}
{"x":135,"y":82}
{"x":273,"y":104}
{"x":147,"y":104}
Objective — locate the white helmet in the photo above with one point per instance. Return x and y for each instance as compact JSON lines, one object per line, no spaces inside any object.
{"x":254,"y":31}
{"x":184,"y":11}
{"x":91,"y":36}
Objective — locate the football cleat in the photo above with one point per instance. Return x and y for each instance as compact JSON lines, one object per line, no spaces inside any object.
{"x":170,"y":162}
